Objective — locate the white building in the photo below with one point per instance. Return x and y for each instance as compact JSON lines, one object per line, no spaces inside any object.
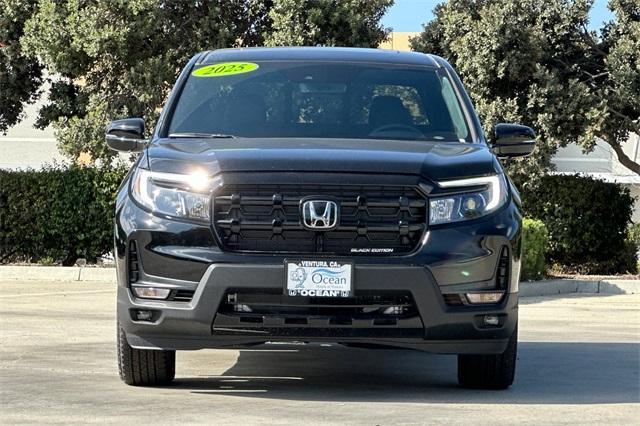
{"x":27,"y":147}
{"x":602,"y":163}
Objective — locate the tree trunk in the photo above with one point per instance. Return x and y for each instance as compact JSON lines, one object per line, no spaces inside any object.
{"x":624,"y":159}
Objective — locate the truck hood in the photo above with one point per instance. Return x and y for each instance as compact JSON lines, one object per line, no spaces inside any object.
{"x":432,"y":160}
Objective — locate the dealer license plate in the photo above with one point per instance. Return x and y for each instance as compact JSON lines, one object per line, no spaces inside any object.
{"x":318,"y":278}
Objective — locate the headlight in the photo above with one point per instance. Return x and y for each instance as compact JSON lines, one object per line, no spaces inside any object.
{"x":490,"y":196}
{"x":177,"y":195}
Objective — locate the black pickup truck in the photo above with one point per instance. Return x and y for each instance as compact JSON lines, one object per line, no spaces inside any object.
{"x":318,"y":195}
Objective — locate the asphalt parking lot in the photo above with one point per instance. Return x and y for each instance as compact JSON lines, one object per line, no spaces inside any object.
{"x":579,"y":362}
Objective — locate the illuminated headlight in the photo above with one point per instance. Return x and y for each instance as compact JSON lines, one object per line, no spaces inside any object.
{"x":491,"y":195}
{"x":177,"y":195}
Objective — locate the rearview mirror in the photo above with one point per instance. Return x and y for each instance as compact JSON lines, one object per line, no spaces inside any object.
{"x":126,"y":135}
{"x":513,"y":140}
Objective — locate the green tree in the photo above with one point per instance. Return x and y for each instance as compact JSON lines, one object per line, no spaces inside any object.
{"x":119,"y":58}
{"x":353,"y":23}
{"x":20,"y":75}
{"x":537,"y":63}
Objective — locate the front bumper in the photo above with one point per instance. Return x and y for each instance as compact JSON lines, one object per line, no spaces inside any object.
{"x":451,"y":259}
{"x":197,"y":324}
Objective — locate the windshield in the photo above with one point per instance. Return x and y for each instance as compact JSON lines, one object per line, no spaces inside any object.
{"x":319,"y":99}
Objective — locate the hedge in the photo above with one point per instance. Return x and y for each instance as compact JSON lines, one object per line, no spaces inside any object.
{"x":58,"y":214}
{"x":587,"y":220}
{"x":634,"y":235}
{"x":535,"y":243}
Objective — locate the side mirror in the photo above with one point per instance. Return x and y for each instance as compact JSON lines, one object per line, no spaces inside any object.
{"x":513,"y":140}
{"x":126,"y":135}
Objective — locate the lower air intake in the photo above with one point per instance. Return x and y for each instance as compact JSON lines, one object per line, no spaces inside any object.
{"x":133,"y":263}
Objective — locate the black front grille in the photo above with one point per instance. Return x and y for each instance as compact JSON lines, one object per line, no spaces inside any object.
{"x":373,"y":219}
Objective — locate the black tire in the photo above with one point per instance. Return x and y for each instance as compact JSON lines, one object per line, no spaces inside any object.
{"x":489,"y":371}
{"x":144,"y":367}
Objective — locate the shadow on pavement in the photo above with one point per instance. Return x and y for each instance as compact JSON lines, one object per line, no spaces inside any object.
{"x":548,"y":373}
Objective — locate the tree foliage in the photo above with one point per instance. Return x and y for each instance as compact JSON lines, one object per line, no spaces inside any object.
{"x":20,"y":75}
{"x":537,"y":63}
{"x":353,"y":23}
{"x":119,"y":58}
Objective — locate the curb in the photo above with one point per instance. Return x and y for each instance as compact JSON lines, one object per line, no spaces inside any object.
{"x":57,"y":273}
{"x":527,"y":288}
{"x":569,"y":286}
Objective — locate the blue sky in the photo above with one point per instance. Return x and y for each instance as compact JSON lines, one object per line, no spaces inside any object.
{"x":409,"y":15}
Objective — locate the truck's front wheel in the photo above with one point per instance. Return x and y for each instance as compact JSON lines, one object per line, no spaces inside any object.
{"x":489,"y":371}
{"x":143,"y":367}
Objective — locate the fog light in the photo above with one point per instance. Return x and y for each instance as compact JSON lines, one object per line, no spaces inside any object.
{"x":484,"y":297}
{"x":151,"y":292}
{"x":492,"y":320}
{"x":144,"y":315}
{"x":393,"y":310}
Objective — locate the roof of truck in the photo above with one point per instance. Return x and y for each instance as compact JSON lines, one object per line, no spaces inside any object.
{"x":346,"y":54}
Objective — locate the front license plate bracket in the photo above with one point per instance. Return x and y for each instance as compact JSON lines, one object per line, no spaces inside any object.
{"x":318,"y":278}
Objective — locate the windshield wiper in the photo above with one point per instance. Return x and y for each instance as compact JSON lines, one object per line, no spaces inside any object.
{"x":201,"y":135}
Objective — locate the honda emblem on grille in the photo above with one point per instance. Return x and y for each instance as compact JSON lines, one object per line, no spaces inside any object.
{"x":319,"y":214}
